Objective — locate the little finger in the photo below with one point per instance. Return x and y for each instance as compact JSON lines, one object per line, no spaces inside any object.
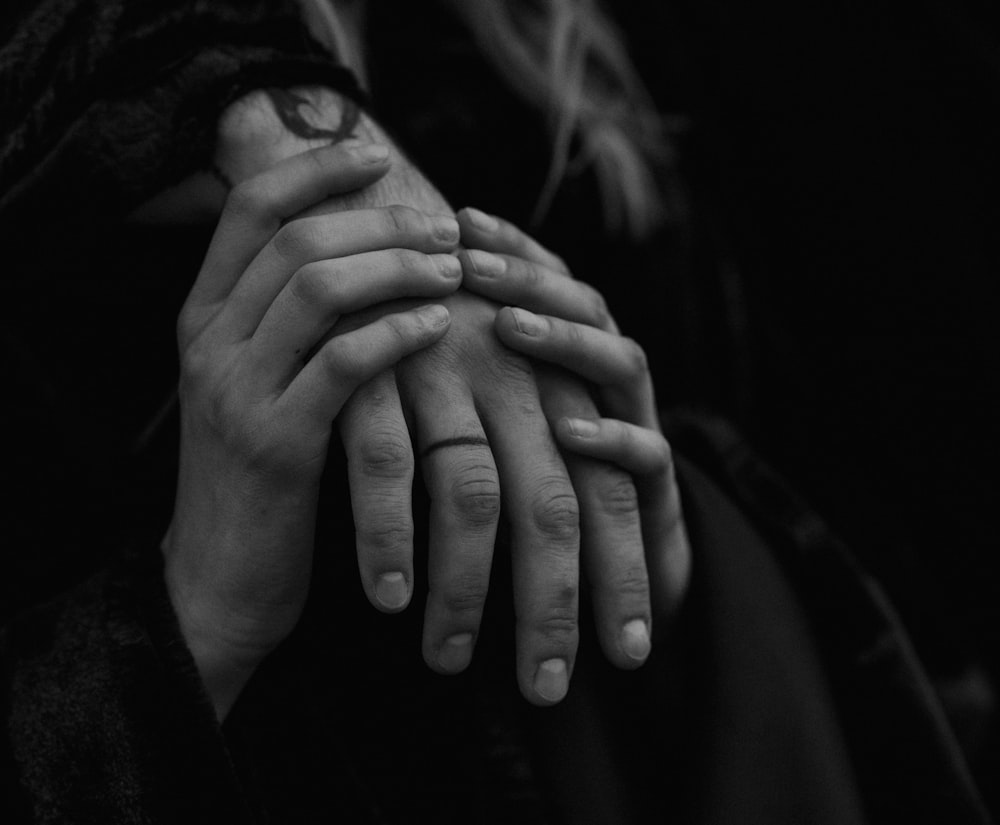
{"x":646,"y":454}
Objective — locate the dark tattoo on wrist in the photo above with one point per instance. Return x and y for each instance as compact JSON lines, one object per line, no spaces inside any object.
{"x":288,"y":107}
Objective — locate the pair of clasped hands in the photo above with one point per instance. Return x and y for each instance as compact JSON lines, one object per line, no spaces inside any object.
{"x":302,"y":319}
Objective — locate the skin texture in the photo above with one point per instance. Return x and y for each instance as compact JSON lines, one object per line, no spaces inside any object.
{"x":466,"y":386}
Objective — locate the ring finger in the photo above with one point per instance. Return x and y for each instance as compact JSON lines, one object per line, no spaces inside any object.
{"x":464,"y":489}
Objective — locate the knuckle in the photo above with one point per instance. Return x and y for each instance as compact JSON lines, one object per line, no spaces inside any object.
{"x":221,"y":417}
{"x":343,"y":361}
{"x":385,"y":455}
{"x":632,"y":582}
{"x":408,"y":260}
{"x":465,"y":595}
{"x":246,"y":437}
{"x":187,"y":326}
{"x":556,"y":515}
{"x":195,"y":365}
{"x":574,"y":336}
{"x":296,"y":240}
{"x":514,"y":373}
{"x":619,"y":496}
{"x":399,"y":219}
{"x":401,"y":328}
{"x":249,"y":198}
{"x":666,"y":455}
{"x":386,"y":533}
{"x":529,"y":272}
{"x":559,"y":622}
{"x":598,"y":307}
{"x":638,"y":363}
{"x":476,"y":496}
{"x":315,"y":284}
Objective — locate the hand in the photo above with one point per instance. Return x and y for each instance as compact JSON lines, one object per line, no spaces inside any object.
{"x":471,"y":388}
{"x":577,"y":333}
{"x":261,"y":382}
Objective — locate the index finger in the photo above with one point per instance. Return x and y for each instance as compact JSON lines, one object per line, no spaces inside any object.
{"x":380,"y":470}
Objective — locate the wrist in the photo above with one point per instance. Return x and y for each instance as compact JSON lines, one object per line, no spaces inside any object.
{"x":224,"y":667}
{"x":266,"y":126}
{"x":253,"y":136}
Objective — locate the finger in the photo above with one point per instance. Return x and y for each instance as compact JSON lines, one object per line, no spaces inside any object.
{"x":612,"y":551}
{"x":324,"y":237}
{"x":380,"y":471}
{"x":616,"y":364}
{"x":464,"y":489}
{"x":647,"y":455}
{"x":638,"y":450}
{"x":314,"y":298}
{"x":257,"y":207}
{"x":542,"y":511}
{"x":493,"y":234}
{"x":346,"y":361}
{"x":514,"y":280}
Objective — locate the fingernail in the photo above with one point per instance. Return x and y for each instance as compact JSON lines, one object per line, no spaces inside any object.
{"x":372,"y":152}
{"x":482,"y":221}
{"x":552,"y":680}
{"x":434,"y":315}
{"x":528,"y":323}
{"x":486,"y":264}
{"x":582,"y":428}
{"x":455,"y":653}
{"x":391,"y":590}
{"x":449,"y":266}
{"x":445,"y":228}
{"x":635,"y":640}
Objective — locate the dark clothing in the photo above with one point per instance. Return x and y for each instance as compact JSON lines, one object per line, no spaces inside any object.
{"x":107,"y":102}
{"x":736,"y":718}
{"x":842,"y":160}
{"x":786,"y":692}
